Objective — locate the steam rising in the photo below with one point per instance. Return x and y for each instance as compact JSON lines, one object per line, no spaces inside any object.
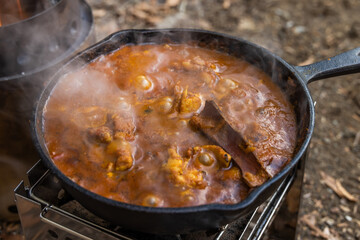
{"x":36,"y":35}
{"x":18,"y":95}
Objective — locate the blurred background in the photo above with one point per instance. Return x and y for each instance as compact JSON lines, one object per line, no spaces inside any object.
{"x":301,"y":32}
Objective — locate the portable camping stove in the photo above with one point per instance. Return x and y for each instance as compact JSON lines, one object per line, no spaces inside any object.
{"x":48,"y":212}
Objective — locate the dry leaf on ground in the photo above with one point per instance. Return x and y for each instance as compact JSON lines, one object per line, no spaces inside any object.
{"x":309,"y":220}
{"x":357,"y":222}
{"x":145,"y":11}
{"x":336,"y":186}
{"x":308,"y":61}
{"x":357,"y":139}
{"x":344,"y":208}
{"x":226,"y":4}
{"x":172,"y":3}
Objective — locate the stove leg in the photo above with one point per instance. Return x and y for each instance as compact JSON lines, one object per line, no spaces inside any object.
{"x":285,"y":223}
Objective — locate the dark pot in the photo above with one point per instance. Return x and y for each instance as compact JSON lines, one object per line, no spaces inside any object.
{"x":291,"y":79}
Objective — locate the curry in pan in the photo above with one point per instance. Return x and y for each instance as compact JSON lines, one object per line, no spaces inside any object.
{"x":169,"y":125}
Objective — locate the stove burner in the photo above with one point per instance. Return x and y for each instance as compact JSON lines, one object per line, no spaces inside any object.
{"x":48,"y":212}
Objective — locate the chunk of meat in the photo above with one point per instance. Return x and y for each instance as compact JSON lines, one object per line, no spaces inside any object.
{"x":186,"y":102}
{"x":124,"y":127}
{"x":214,"y":126}
{"x":181,"y":174}
{"x":193,"y":65}
{"x":123,"y":152}
{"x":124,"y":161}
{"x":189,"y":102}
{"x":233,"y":173}
{"x":101,"y":134}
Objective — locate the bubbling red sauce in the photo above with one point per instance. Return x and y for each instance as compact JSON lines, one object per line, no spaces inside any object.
{"x":120,"y":126}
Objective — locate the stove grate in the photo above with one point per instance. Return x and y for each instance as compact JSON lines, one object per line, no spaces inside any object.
{"x":47,"y":211}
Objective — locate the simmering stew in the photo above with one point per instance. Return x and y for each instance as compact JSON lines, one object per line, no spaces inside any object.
{"x":169,"y":125}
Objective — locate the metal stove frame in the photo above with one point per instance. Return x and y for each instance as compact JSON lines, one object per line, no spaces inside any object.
{"x":46,"y":211}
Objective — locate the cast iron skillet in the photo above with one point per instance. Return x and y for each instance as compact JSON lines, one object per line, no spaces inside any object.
{"x":291,"y":79}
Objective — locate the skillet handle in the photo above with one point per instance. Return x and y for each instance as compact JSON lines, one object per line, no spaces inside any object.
{"x":344,"y":63}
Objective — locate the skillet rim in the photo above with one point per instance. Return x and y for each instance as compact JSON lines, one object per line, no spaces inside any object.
{"x":38,"y":137}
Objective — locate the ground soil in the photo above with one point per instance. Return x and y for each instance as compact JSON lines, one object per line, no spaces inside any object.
{"x":301,"y":32}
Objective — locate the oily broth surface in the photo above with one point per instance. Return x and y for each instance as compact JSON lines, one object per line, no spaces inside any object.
{"x":132,"y":84}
